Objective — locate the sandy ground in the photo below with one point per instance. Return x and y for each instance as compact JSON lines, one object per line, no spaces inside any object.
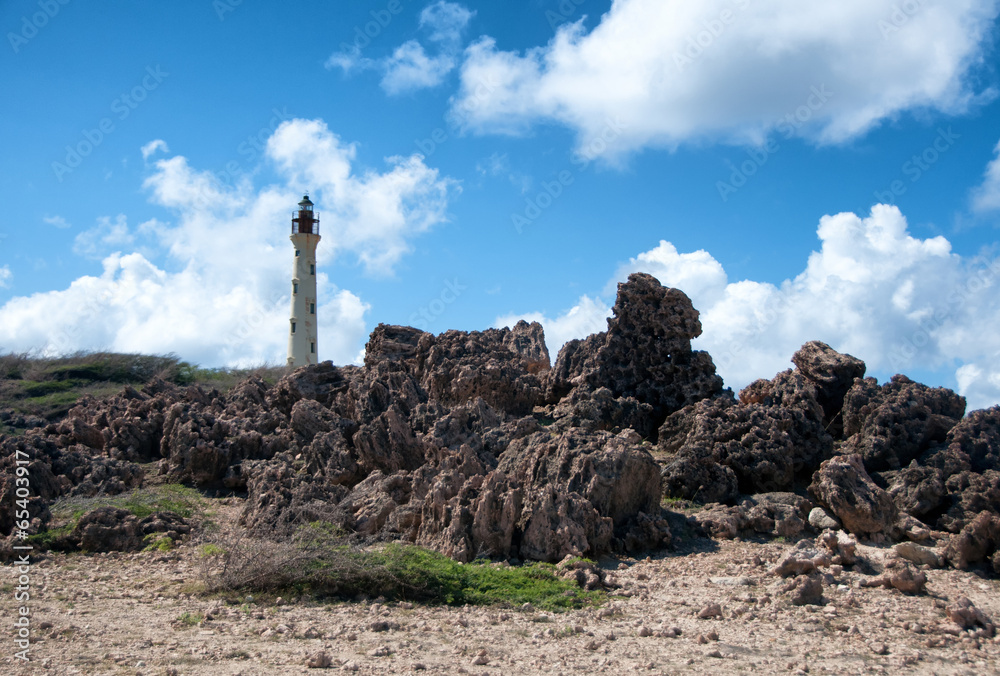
{"x":121,"y":614}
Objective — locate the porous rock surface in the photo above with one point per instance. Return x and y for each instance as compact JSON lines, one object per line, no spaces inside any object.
{"x":470,"y":444}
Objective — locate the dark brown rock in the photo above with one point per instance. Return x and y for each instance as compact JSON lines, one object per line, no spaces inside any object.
{"x":833,"y":374}
{"x":645,"y":353}
{"x":766,"y":447}
{"x":893,"y":424}
{"x":109,"y":529}
{"x":977,"y":541}
{"x":843,"y":486}
{"x":963,"y":613}
{"x":804,"y":590}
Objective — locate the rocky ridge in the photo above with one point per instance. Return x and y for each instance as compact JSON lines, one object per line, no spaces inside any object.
{"x":470,"y":444}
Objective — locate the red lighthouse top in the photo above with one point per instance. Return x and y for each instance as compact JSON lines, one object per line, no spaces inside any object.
{"x":305,"y":221}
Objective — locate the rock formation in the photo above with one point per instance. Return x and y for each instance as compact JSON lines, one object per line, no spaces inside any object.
{"x":470,"y":444}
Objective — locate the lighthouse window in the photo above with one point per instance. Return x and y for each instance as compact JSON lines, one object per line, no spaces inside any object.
{"x":312,"y":347}
{"x":312,"y":308}
{"x":297,"y":252}
{"x":312,"y":269}
{"x":293,"y":327}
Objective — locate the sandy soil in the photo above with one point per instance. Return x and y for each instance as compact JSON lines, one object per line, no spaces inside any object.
{"x":120,"y":614}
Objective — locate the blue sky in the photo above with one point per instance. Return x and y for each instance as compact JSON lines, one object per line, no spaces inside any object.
{"x":802,"y":170}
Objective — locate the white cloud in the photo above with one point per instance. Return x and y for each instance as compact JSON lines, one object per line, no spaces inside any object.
{"x":986,"y":197}
{"x":446,"y":22}
{"x":5,"y":276}
{"x":498,"y":164}
{"x":103,"y":238}
{"x":588,"y":316}
{"x":410,"y":68}
{"x":980,"y":388}
{"x":157,"y":145}
{"x":57,"y":221}
{"x":374,"y":215}
{"x":873,"y":290}
{"x":732,"y":70}
{"x":221,"y":296}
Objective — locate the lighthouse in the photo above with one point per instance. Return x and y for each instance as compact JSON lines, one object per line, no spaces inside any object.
{"x":302,"y":333}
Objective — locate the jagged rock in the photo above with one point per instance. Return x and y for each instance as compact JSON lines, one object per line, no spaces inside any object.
{"x":765,"y":447}
{"x":804,"y":590}
{"x":56,"y":471}
{"x":779,"y":514}
{"x":963,"y":613}
{"x":977,"y":440}
{"x":843,"y":486}
{"x":388,"y":443}
{"x":954,"y":482}
{"x":601,"y":410}
{"x":74,"y":430}
{"x":841,"y":546}
{"x":699,"y":480}
{"x":280,"y":497}
{"x":321,"y":382}
{"x":499,"y":365}
{"x":901,"y":575}
{"x":800,"y":561}
{"x":891,"y":425}
{"x":109,"y":529}
{"x":645,"y":353}
{"x":970,"y":494}
{"x":528,"y":341}
{"x":917,"y":490}
{"x":720,"y":521}
{"x":613,"y":472}
{"x":833,"y":375}
{"x":977,"y":541}
{"x":787,"y":390}
{"x":468,"y":443}
{"x":587,"y":574}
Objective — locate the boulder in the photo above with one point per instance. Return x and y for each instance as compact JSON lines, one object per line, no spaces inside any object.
{"x":976,"y":542}
{"x":765,"y":447}
{"x":843,"y":487}
{"x":833,"y":374}
{"x":893,"y":424}
{"x":645,"y":352}
{"x":109,"y":529}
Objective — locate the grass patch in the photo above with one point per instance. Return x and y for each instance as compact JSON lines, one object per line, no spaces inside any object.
{"x":67,"y":512}
{"x":180,"y":500}
{"x":189,"y":619}
{"x":158,"y":543}
{"x":315,"y":562}
{"x":209,"y":550}
{"x":49,"y":387}
{"x":53,"y":537}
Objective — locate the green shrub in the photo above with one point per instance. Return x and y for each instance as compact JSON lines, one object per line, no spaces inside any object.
{"x":187,"y":619}
{"x":315,"y":562}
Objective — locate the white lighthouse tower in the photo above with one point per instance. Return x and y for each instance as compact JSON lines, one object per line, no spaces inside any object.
{"x":302,"y":333}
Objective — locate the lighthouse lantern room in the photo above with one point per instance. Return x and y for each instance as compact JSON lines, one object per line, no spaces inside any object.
{"x":302,"y":330}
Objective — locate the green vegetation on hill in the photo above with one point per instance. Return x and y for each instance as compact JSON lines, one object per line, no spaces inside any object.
{"x":67,"y":512}
{"x":49,"y":387}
